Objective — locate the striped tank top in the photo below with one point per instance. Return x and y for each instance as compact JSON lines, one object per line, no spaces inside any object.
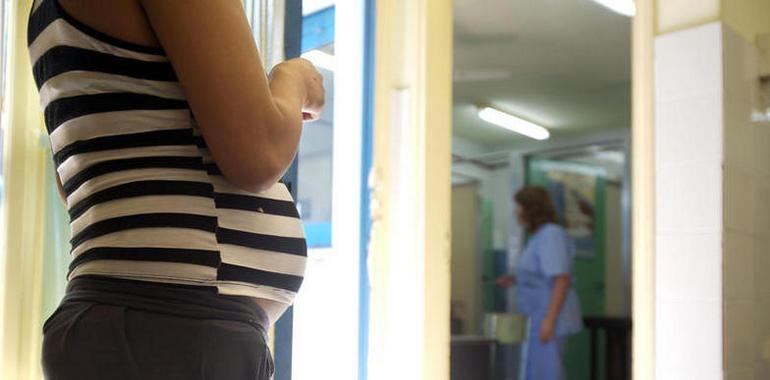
{"x":146,"y":200}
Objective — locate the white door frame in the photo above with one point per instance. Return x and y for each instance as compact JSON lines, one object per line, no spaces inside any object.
{"x":643,"y":192}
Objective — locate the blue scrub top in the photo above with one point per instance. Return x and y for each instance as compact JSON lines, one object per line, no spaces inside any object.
{"x":550,"y":252}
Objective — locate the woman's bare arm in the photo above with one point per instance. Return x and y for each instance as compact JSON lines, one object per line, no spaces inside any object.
{"x":561,"y":286}
{"x":251,"y":124}
{"x":558,"y":295}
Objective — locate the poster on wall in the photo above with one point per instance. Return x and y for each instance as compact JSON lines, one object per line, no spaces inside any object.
{"x":577,"y":191}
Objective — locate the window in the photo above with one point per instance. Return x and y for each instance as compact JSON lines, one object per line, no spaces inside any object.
{"x":329,"y":195}
{"x":315,"y":174}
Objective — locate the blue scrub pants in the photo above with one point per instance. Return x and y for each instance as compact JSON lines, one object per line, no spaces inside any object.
{"x":544,"y":361}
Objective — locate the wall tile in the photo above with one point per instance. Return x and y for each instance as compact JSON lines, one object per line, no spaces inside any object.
{"x":668,"y":199}
{"x":741,"y":65}
{"x":761,"y":371}
{"x":761,"y":148}
{"x":705,"y":267}
{"x":676,"y":373}
{"x":747,"y":215}
{"x":739,"y":203}
{"x":702,"y":199}
{"x":668,"y":262}
{"x":689,"y":129}
{"x":761,"y":339}
{"x":739,"y":335}
{"x":762,"y":207}
{"x":689,"y":63}
{"x":738,"y":133}
{"x":738,"y":258}
{"x":689,"y":197}
{"x":689,"y":340}
{"x":689,"y":267}
{"x":713,"y":209}
{"x":762,"y":267}
{"x":744,"y":374}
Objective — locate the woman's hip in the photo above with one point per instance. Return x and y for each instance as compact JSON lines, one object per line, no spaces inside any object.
{"x":115,"y":338}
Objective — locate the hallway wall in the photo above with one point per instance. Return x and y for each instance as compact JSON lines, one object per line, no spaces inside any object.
{"x":688,"y":142}
{"x":466,"y":292}
{"x":747,"y":213}
{"x":495,"y":184}
{"x":616,"y":297}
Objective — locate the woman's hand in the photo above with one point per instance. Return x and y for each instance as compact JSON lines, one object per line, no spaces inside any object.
{"x":505,"y":281}
{"x":312,"y":81}
{"x":547,"y":330}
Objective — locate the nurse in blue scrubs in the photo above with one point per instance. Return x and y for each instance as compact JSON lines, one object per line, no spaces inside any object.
{"x":544,"y":282}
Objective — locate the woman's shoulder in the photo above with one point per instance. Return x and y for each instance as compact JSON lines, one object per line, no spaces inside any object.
{"x":552,"y":228}
{"x":552,"y":231}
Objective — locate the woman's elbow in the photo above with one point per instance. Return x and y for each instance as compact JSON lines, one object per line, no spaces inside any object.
{"x":253,"y":159}
{"x":254,"y":177}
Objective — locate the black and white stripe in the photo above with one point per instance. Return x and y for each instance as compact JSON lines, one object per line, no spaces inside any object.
{"x":145,"y":198}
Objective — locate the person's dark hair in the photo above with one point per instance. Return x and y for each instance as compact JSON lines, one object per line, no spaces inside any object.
{"x":537,"y":206}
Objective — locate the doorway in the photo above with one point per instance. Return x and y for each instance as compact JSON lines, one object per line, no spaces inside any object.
{"x":542,"y":97}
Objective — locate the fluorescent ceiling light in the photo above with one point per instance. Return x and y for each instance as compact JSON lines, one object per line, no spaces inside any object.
{"x":624,"y":7}
{"x":513,"y":123}
{"x":320,"y":59}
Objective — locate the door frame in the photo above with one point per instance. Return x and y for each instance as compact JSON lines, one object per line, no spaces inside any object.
{"x":643,"y":191}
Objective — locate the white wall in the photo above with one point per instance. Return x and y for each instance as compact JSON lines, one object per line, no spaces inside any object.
{"x":713,"y":182}
{"x":713,"y":229}
{"x":747,"y":215}
{"x":688,"y":140}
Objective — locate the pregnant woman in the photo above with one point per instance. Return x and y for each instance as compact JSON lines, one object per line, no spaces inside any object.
{"x":169,"y":141}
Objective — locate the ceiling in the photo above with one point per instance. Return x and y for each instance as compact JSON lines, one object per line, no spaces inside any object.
{"x":564,"y":64}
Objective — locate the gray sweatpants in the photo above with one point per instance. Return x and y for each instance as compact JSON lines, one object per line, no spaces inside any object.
{"x":105,"y":330}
